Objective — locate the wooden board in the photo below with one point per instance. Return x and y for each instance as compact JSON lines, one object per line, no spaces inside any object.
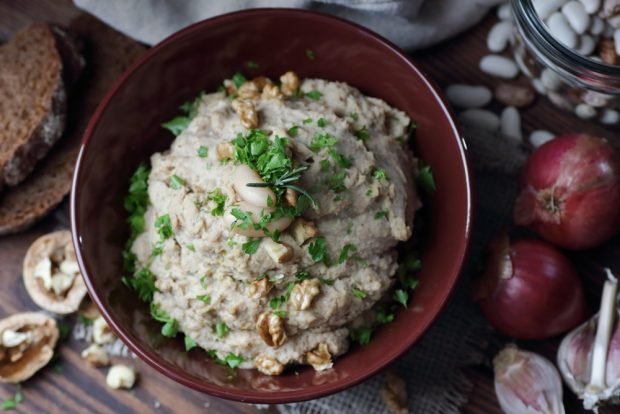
{"x":69,"y":386}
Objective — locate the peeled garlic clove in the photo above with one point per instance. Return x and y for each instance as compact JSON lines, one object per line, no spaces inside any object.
{"x":575,"y":356}
{"x":527,"y":383}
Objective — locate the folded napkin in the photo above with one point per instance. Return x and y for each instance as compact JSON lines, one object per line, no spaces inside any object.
{"x":411,"y":24}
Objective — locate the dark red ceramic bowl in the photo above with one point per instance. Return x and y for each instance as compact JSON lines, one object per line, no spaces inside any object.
{"x":125,"y":131}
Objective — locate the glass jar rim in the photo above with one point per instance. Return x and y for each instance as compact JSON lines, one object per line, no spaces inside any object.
{"x":579,"y":69}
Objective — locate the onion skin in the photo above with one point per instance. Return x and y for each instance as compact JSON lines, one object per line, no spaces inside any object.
{"x":530,"y":290}
{"x":571,"y":192}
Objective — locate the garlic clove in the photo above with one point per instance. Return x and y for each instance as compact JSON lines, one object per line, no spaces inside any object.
{"x":612,"y":371}
{"x":575,"y":356}
{"x":527,"y":383}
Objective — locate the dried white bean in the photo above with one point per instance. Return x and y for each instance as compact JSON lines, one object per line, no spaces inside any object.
{"x":610,"y":117}
{"x":539,"y":86}
{"x":468,"y":96}
{"x":540,"y":137}
{"x":550,"y":79}
{"x":587,"y":44}
{"x":617,"y":41}
{"x":561,"y":30}
{"x":544,"y":8}
{"x":499,"y":36}
{"x":591,"y":6}
{"x":504,"y":12}
{"x":584,"y":111}
{"x":480,"y":118}
{"x":500,"y":66}
{"x":577,"y":16}
{"x":242,"y":176}
{"x":255,"y":214}
{"x":597,"y":26}
{"x":614,"y":22}
{"x":559,"y":100}
{"x":511,"y":123}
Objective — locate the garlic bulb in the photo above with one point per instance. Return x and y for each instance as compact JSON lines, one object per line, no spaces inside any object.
{"x":527,"y":383}
{"x":589,"y":356}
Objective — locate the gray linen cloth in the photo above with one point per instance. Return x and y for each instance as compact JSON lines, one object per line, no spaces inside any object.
{"x":411,"y":24}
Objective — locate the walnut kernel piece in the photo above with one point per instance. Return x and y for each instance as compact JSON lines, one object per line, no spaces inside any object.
{"x":262,"y":82}
{"x":268,"y":365}
{"x":304,"y":293}
{"x":51,"y":274}
{"x":290,"y":83}
{"x":270,"y":327}
{"x":121,"y":376}
{"x":279,"y":252}
{"x":28,"y":341}
{"x":248,"y":90}
{"x":607,"y":51}
{"x":260,"y":288}
{"x":96,"y":356}
{"x":102,"y":334}
{"x":271,"y":92}
{"x":224,"y":151}
{"x":303,"y":230}
{"x":394,"y":393}
{"x":320,"y":358}
{"x":247,"y":112}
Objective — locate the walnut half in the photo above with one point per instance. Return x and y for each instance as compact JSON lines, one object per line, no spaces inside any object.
{"x":28,"y":341}
{"x":270,"y":327}
{"x":304,"y":293}
{"x":320,"y":358}
{"x":260,"y":288}
{"x":247,"y":112}
{"x":268,"y":365}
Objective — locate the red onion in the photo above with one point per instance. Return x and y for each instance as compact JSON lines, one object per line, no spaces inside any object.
{"x":571,"y":192}
{"x":530,"y":290}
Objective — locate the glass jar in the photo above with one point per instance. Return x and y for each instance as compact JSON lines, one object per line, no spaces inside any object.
{"x":582,"y":85}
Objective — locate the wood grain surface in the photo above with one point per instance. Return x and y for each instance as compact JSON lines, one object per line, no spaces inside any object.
{"x":69,"y":386}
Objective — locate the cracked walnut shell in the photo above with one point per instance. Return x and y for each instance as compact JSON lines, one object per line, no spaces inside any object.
{"x":28,"y":341}
{"x":271,"y":328}
{"x":51,"y":274}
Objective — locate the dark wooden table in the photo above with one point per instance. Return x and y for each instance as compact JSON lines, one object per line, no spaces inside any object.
{"x":69,"y":386}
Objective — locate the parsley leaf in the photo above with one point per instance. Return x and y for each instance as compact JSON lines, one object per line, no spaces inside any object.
{"x":243,"y":218}
{"x":204,"y":298}
{"x":221,"y":329}
{"x":233,"y":360}
{"x":238,"y":79}
{"x":314,"y":95}
{"x":250,"y":247}
{"x":335,"y":182}
{"x":362,"y":134}
{"x":170,"y":327}
{"x":251,"y":65}
{"x":310,"y":54}
{"x":189,"y":343}
{"x":426,"y":179}
{"x":176,"y":182}
{"x":384,"y":317}
{"x":380,"y":175}
{"x":354,"y":116}
{"x":137,"y":200}
{"x":302,"y":275}
{"x":321,"y":122}
{"x":143,"y":283}
{"x":359,"y":293}
{"x":202,"y":151}
{"x":219,"y":198}
{"x":401,"y":296}
{"x":9,"y":404}
{"x":179,"y":123}
{"x":164,"y":227}
{"x":361,"y":335}
{"x":322,"y":140}
{"x":190,"y":247}
{"x":307,"y":121}
{"x":328,"y":282}
{"x":340,"y":159}
{"x":381,"y":214}
{"x":318,"y":250}
{"x":292,"y":131}
{"x":346,"y":250}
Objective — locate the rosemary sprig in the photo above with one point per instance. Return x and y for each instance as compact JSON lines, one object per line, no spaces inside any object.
{"x":286,"y":181}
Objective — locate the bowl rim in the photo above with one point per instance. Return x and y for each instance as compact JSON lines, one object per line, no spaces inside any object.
{"x":253,"y":396}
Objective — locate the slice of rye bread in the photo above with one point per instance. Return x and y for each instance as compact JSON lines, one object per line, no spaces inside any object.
{"x":108,"y":53}
{"x":33,"y":97}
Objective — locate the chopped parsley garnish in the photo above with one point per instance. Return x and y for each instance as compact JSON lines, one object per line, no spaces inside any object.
{"x":219,"y":198}
{"x":143,"y":283}
{"x":202,"y":151}
{"x":381,"y":214}
{"x":361,"y":335}
{"x":251,"y":65}
{"x":158,"y":248}
{"x":9,"y":404}
{"x":189,"y":343}
{"x":335,"y":182}
{"x":362,"y":134}
{"x":401,"y":296}
{"x":233,"y":360}
{"x":324,"y":165}
{"x":243,"y":218}
{"x":314,"y":95}
{"x":250,"y":247}
{"x":318,"y":250}
{"x":179,"y":123}
{"x":380,"y":175}
{"x":354,"y":116}
{"x":359,"y":293}
{"x":204,"y":298}
{"x":292,"y":131}
{"x":328,"y":282}
{"x":302,"y":275}
{"x":384,"y":317}
{"x":349,"y":227}
{"x":84,"y":320}
{"x":347,"y":249}
{"x":190,"y":247}
{"x":238,"y":79}
{"x":321,"y":122}
{"x":322,"y":140}
{"x":277,"y":302}
{"x":164,"y":227}
{"x":170,"y":327}
{"x":310,"y":54}
{"x":307,"y":121}
{"x":176,"y":182}
{"x":340,"y":159}
{"x":426,"y":180}
{"x":221,"y":329}
{"x":137,"y":200}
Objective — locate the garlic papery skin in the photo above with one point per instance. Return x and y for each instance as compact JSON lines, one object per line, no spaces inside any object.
{"x":589,"y":357}
{"x":527,"y":383}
